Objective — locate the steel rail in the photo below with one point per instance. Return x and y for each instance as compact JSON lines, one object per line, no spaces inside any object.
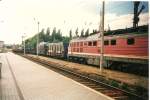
{"x":64,"y":70}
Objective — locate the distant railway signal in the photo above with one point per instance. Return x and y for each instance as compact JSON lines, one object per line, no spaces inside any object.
{"x":137,"y":12}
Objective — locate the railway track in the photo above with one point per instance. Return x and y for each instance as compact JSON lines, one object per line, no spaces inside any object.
{"x":111,"y":91}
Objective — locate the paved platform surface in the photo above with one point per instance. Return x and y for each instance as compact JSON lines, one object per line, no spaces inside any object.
{"x":127,"y":78}
{"x":8,"y":90}
{"x":30,"y":81}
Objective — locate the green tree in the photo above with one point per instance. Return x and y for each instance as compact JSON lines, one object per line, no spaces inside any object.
{"x":66,"y":39}
{"x":53,"y":34}
{"x":47,"y":35}
{"x":48,"y":31}
{"x":41,"y":36}
{"x":70,"y":34}
{"x":58,"y":35}
{"x":76,"y":32}
{"x":82,"y":33}
{"x":87,"y":33}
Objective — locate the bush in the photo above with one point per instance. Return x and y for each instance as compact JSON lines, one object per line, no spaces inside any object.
{"x":114,"y":83}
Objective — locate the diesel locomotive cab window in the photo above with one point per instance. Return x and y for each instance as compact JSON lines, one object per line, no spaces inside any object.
{"x":95,"y":43}
{"x":130,"y":41}
{"x":89,"y":43}
{"x":113,"y":42}
{"x":106,"y":42}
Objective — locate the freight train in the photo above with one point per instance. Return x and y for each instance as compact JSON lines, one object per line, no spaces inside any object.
{"x":58,"y":50}
{"x":120,"y":50}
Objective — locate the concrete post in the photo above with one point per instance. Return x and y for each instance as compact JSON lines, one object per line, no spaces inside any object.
{"x":102,"y":36}
{"x":0,"y":70}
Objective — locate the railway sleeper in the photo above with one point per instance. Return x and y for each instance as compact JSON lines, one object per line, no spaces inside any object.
{"x":92,"y":84}
{"x":124,"y":97}
{"x":100,"y":88}
{"x":79,"y":79}
{"x":113,"y":94}
{"x":95,"y":87}
{"x":110,"y":91}
{"x":84,"y":82}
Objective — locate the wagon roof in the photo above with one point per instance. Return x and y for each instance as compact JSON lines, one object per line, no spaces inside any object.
{"x":43,"y":43}
{"x":97,"y":37}
{"x":58,"y":43}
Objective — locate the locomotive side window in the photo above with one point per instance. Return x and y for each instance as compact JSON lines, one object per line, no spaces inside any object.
{"x":113,"y":42}
{"x":81,"y":43}
{"x":85,"y":43}
{"x":73,"y":44}
{"x":77,"y":49}
{"x":81,"y":49}
{"x":130,"y":41}
{"x":89,"y":43}
{"x":95,"y":43}
{"x":77,"y":43}
{"x":106,"y":42}
{"x":73,"y":49}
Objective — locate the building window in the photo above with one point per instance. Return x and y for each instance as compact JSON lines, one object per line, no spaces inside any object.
{"x":89,"y":43}
{"x":130,"y":41}
{"x":106,"y":42}
{"x":95,"y":43}
{"x":113,"y":42}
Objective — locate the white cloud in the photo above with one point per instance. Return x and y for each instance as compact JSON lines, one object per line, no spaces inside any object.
{"x":124,"y":21}
{"x":18,"y":17}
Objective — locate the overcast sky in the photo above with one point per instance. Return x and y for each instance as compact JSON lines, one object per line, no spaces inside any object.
{"x":17,"y":16}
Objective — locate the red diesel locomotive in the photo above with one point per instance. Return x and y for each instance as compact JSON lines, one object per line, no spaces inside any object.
{"x":125,"y":48}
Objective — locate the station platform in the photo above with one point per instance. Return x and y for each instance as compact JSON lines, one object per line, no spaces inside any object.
{"x":8,"y":89}
{"x":23,"y":79}
{"x":130,"y":79}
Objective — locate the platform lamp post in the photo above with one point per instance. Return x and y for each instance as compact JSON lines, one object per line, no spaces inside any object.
{"x":101,"y":30}
{"x":37,"y":48}
{"x":24,"y":45}
{"x":37,"y":39}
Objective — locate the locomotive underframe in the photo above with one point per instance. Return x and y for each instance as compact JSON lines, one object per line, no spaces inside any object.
{"x":94,"y":60}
